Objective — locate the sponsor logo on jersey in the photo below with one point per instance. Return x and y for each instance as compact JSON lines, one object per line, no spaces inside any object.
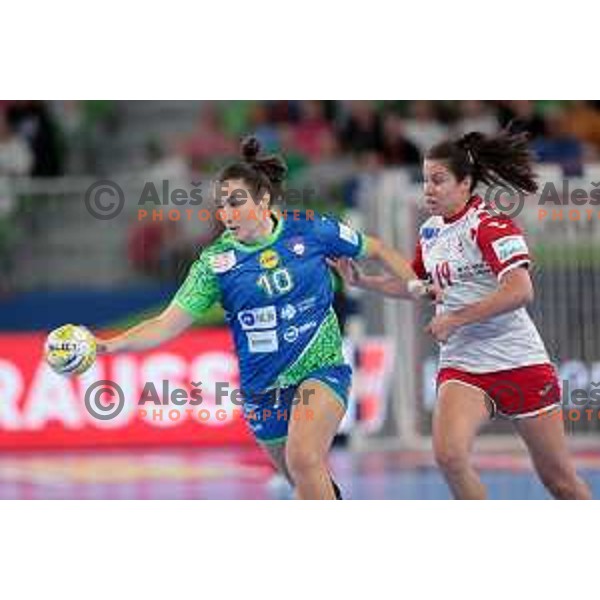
{"x":348,"y":234}
{"x":498,"y":224}
{"x":260,"y":342}
{"x":509,"y":247}
{"x":258,"y":318}
{"x":428,"y":233}
{"x":306,"y":304}
{"x":288,"y":312}
{"x":471,"y":271}
{"x":269,"y":259}
{"x":291,"y":333}
{"x":223,"y":262}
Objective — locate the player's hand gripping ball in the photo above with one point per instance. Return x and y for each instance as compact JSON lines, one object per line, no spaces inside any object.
{"x":70,"y":349}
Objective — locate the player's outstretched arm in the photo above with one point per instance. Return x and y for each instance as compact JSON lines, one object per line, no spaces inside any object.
{"x":391,"y":259}
{"x":354,"y":275}
{"x":409,"y":285}
{"x":400,"y":281}
{"x":151,"y":333}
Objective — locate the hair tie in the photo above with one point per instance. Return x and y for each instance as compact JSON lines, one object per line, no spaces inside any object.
{"x":470,"y":156}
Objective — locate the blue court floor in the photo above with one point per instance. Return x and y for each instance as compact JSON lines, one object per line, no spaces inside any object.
{"x":245,"y":474}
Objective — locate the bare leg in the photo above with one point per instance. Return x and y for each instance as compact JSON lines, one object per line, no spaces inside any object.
{"x":313,"y":425}
{"x":545,"y":437}
{"x":276,"y":453}
{"x":459,"y":413}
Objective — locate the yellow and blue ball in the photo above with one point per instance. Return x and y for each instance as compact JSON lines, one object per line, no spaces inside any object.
{"x":70,"y":349}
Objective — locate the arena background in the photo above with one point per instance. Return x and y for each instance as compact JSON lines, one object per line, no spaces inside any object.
{"x":60,"y":263}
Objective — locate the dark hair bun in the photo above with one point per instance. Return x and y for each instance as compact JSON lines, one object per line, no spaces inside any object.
{"x":250,"y":148}
{"x":272,"y":167}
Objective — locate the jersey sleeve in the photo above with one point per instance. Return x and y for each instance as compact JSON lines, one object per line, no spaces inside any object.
{"x":502,"y":245}
{"x":200,"y":290}
{"x":417,"y":263}
{"x":338,"y":239}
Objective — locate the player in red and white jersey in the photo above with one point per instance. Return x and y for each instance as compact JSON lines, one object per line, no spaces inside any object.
{"x":492,"y":358}
{"x":468,"y":254}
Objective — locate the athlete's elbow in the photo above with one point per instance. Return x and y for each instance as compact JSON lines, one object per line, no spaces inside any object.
{"x":529,"y":295}
{"x":527,"y":292}
{"x":524,"y":295}
{"x":518,"y":284}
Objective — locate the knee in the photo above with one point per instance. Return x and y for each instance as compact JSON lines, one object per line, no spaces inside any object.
{"x":302,"y":461}
{"x":450,"y":458}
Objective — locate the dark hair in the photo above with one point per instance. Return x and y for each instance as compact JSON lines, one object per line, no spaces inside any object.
{"x":260,"y":173}
{"x":503,"y":159}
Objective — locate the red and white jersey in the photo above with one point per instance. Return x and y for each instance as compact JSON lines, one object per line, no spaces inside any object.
{"x":467,"y":255}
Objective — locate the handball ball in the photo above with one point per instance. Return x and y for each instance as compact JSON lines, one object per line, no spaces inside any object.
{"x":70,"y":349}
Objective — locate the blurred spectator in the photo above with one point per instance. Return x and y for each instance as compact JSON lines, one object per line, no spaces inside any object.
{"x":263,"y":128}
{"x":31,"y":120}
{"x":522,"y":116}
{"x":160,"y":164}
{"x":158,"y":249}
{"x":361,"y":130}
{"x":475,"y":115}
{"x":15,"y":156}
{"x":15,"y":160}
{"x":559,"y":146}
{"x":397,"y":149}
{"x":235,"y":115}
{"x":296,"y":162}
{"x":309,"y":134}
{"x":331,"y":167}
{"x":422,"y":128}
{"x":208,"y":142}
{"x":282,"y":111}
{"x":583,"y":121}
{"x":70,"y":115}
{"x":86,"y":126}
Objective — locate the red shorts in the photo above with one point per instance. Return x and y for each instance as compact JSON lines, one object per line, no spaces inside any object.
{"x":515,"y":393}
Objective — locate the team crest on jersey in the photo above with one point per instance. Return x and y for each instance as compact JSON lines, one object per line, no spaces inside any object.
{"x":269,"y":259}
{"x":296,"y":245}
{"x":223,"y":262}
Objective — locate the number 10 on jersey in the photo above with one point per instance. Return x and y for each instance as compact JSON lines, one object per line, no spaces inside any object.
{"x":275,"y":283}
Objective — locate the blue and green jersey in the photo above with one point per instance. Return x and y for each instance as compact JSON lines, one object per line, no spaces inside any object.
{"x":277,"y":296}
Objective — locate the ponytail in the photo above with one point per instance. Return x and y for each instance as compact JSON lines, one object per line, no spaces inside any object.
{"x":503,"y":159}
